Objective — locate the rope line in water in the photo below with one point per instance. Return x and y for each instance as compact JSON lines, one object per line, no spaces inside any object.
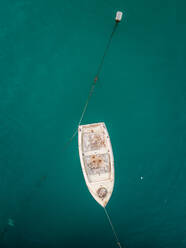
{"x":95,"y":81}
{"x":113,"y":229}
{"x":43,"y":178}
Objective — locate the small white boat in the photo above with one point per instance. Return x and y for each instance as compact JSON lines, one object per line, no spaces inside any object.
{"x":97,"y":161}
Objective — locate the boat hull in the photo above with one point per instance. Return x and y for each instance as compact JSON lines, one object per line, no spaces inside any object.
{"x":97,"y":160}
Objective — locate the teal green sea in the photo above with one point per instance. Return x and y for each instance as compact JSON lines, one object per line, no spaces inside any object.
{"x":49,"y":54}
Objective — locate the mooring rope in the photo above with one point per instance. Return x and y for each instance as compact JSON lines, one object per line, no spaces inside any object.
{"x":113,"y":229}
{"x":43,"y":178}
{"x":94,"y":82}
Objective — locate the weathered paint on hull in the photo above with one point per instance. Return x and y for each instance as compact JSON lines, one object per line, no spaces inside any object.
{"x":97,"y":160}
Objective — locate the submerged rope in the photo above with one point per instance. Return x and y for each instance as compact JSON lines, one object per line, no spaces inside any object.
{"x":43,"y":178}
{"x":94,"y":82}
{"x":113,"y":229}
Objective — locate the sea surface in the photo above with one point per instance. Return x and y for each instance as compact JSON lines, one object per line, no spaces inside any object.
{"x":49,"y":56}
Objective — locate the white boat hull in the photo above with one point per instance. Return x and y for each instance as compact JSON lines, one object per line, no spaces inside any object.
{"x":97,"y":161}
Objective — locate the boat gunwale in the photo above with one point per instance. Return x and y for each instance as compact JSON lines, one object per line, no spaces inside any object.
{"x":109,"y":181}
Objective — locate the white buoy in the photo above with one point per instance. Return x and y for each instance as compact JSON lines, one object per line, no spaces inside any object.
{"x":119,"y":15}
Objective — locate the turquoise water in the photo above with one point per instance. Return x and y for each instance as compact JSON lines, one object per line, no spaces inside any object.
{"x":50,"y":51}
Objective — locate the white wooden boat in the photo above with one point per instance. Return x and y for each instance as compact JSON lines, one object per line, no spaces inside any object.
{"x":97,"y":160}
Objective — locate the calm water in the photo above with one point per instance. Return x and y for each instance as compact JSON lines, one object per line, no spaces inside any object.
{"x":49,"y":53}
